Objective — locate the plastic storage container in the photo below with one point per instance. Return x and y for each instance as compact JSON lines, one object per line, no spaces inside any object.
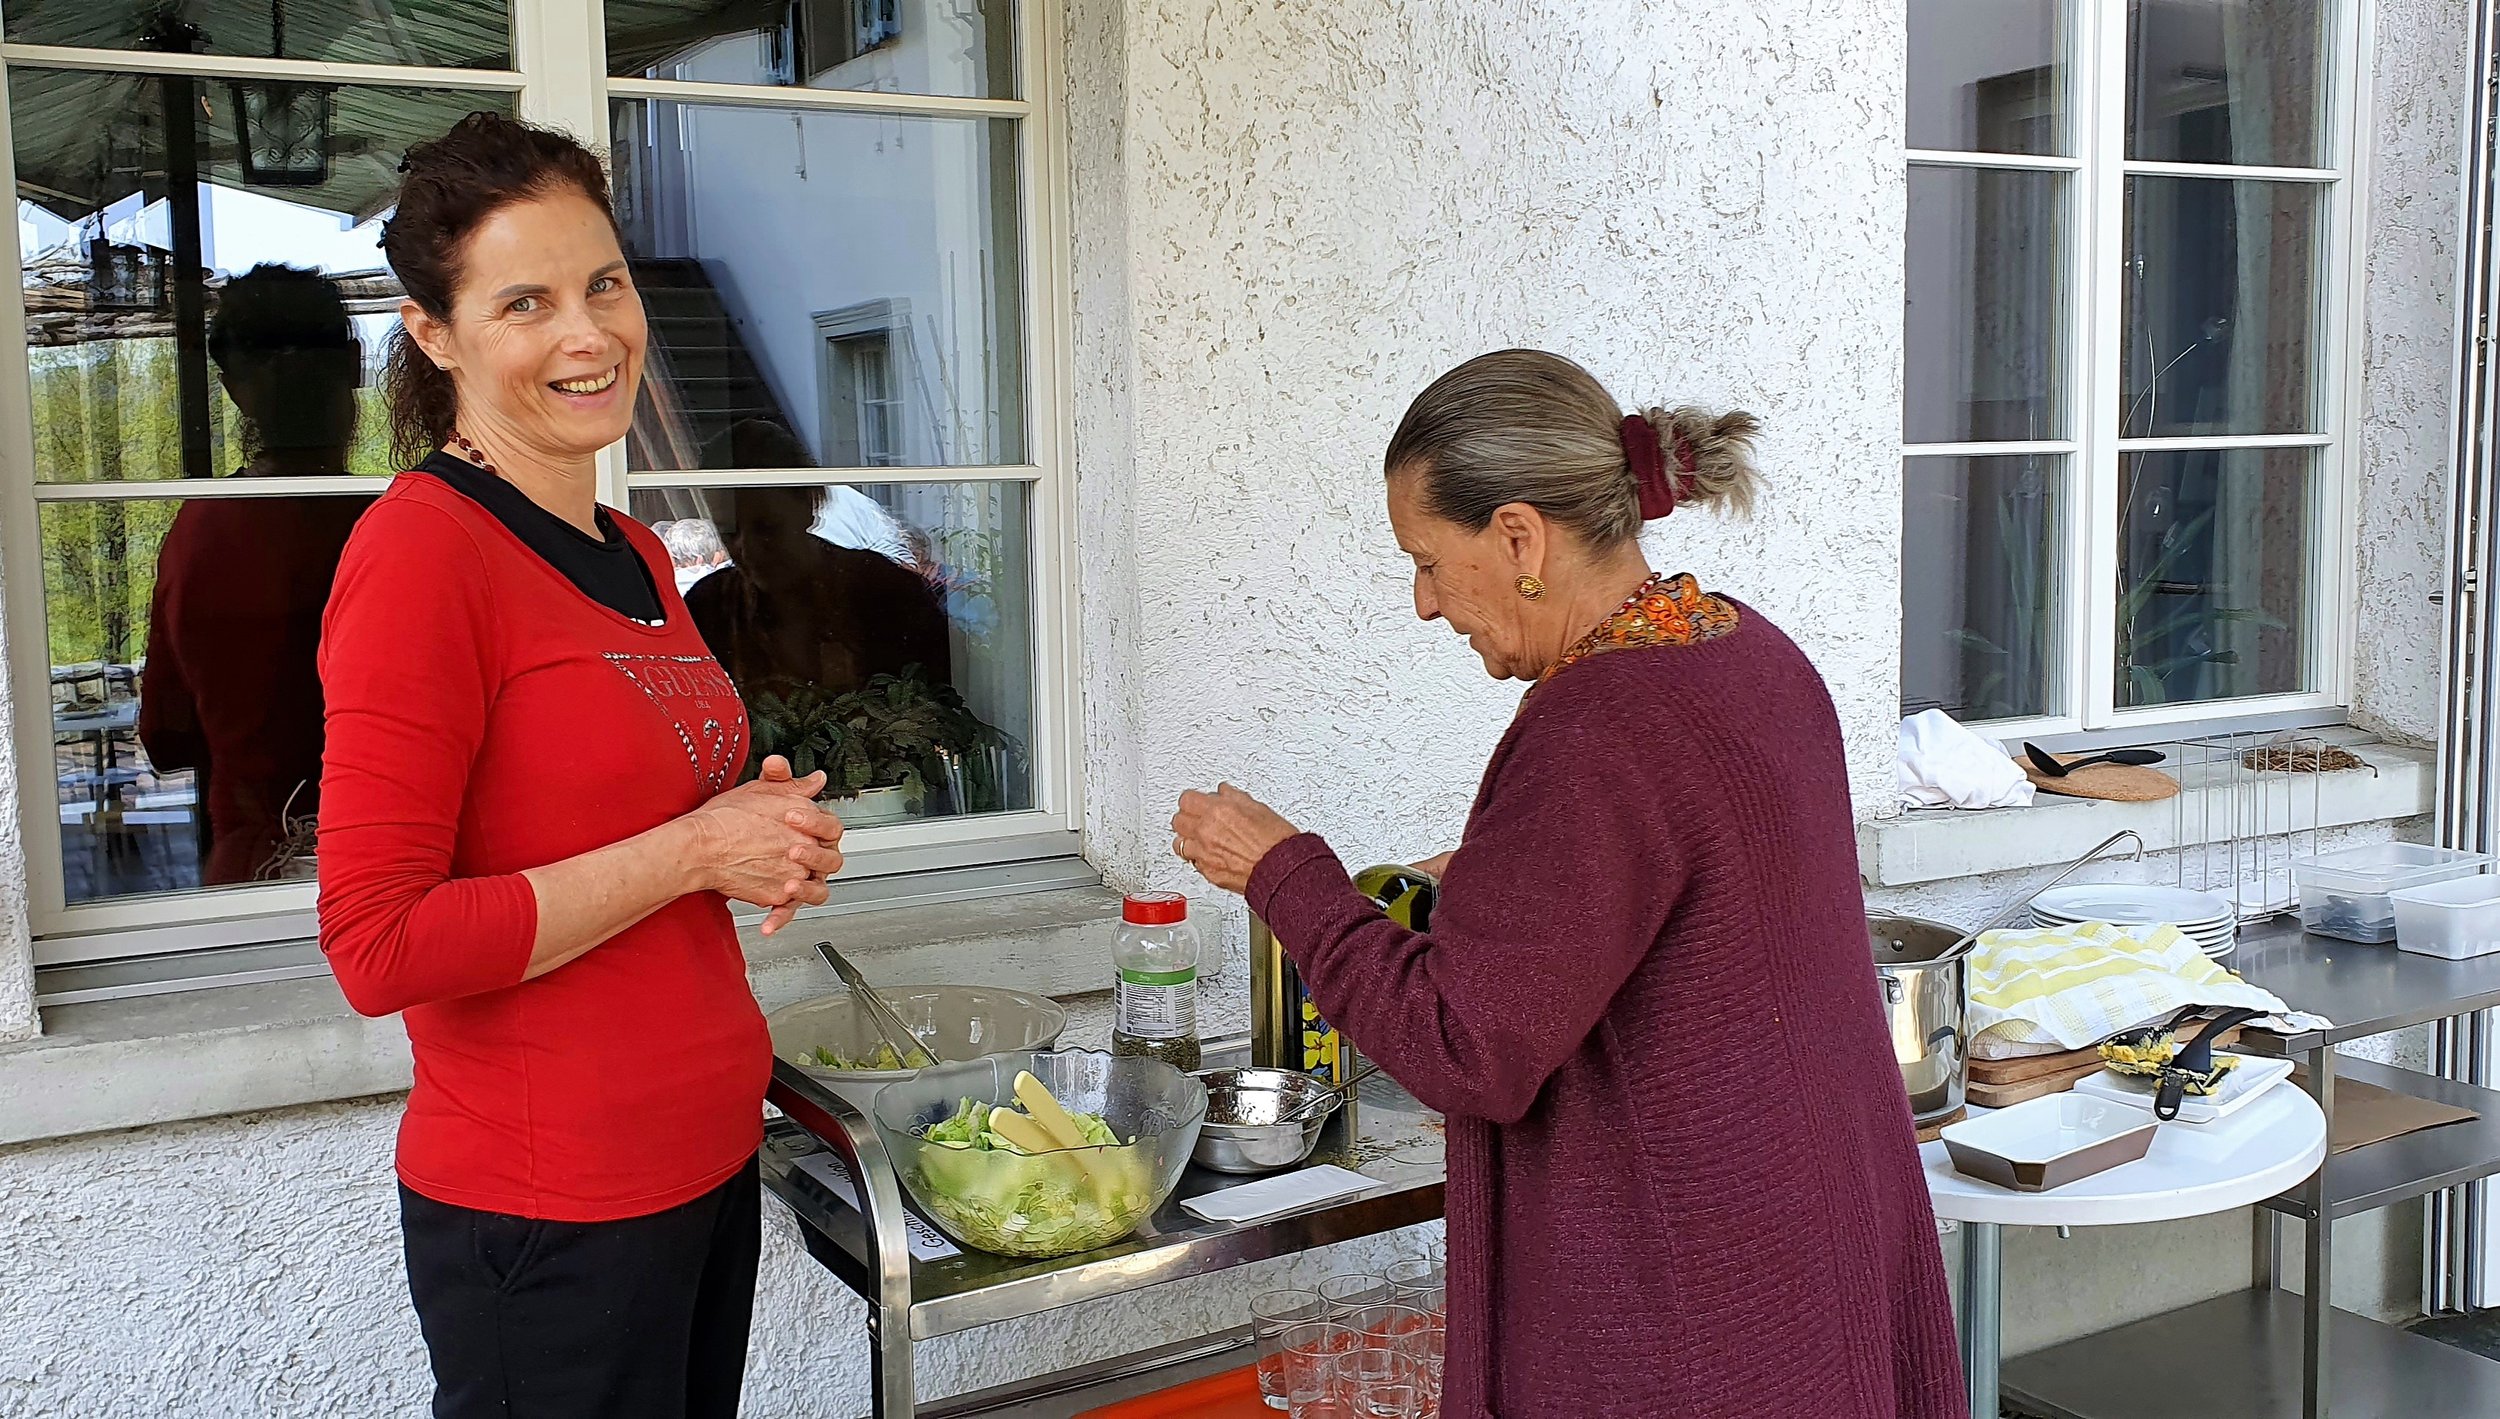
{"x":2346,"y":894}
{"x":2455,"y":919}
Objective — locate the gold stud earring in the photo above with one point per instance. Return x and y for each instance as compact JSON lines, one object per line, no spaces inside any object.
{"x":1531,"y":588}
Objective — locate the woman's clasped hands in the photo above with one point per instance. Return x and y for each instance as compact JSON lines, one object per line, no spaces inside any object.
{"x":767,"y":844}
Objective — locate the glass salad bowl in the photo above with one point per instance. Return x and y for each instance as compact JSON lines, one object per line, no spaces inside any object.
{"x":955,"y":1021}
{"x":1017,"y":1189}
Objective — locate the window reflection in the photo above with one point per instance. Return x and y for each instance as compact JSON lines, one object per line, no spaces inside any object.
{"x":1984,"y":311}
{"x":850,"y":277}
{"x":203,"y":289}
{"x":955,"y":48}
{"x":2217,"y":554}
{"x":2228,"y":81}
{"x":2220,"y":307}
{"x":1980,"y":576}
{"x":443,"y":33}
{"x":1989,"y":76}
{"x":882,"y":633}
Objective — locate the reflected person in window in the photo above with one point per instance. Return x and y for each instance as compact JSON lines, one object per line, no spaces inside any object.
{"x":792,"y":609}
{"x":695,"y":550}
{"x":532,"y":828}
{"x":1682,"y":1175}
{"x":231,"y":691}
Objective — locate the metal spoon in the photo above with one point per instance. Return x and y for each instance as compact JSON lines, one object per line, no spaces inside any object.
{"x":1334,"y":1095}
{"x":2052,"y":767}
{"x":891,"y":1027}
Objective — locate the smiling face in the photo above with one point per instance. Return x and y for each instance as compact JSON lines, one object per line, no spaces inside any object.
{"x":545,"y":339}
{"x":1470,"y":580}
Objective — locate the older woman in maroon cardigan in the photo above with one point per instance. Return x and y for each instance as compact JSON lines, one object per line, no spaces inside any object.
{"x":1682,"y":1179}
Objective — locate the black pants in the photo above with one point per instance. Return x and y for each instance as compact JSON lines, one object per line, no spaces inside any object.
{"x":640,"y":1319}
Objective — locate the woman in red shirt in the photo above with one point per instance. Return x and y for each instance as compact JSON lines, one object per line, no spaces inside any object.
{"x":529,"y":832}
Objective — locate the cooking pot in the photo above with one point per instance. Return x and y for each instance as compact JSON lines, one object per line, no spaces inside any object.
{"x":1923,"y":989}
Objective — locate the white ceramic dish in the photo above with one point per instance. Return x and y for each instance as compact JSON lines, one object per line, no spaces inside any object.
{"x":2050,"y":1141}
{"x":2134,"y":904}
{"x":2240,"y":1088}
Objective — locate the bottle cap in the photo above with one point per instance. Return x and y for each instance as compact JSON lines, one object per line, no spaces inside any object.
{"x":1154,"y":909}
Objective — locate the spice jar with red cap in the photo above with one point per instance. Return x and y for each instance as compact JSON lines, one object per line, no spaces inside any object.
{"x":1155,"y":1010}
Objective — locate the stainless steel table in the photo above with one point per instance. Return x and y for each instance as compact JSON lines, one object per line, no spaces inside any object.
{"x":1386,"y":1136}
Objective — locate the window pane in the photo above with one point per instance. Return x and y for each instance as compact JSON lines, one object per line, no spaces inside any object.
{"x":186,"y":710}
{"x":2221,"y":307}
{"x":451,"y":34}
{"x":142,"y":374}
{"x":2227,"y":81}
{"x":1989,"y":76}
{"x":778,"y":251}
{"x":962,"y":49}
{"x":881,"y":632}
{"x":2215,"y":566}
{"x":1984,"y":315}
{"x":1981,"y":560}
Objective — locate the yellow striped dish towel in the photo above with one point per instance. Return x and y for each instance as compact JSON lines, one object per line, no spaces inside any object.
{"x":2036,"y":991}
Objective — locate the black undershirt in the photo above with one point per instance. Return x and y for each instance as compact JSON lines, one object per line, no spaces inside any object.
{"x":606,"y":568}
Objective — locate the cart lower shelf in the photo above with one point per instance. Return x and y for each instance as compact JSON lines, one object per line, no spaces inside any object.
{"x":2239,"y":1357}
{"x":1070,"y":1394}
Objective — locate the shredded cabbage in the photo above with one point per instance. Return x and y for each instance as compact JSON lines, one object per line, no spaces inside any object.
{"x":990,"y":1194}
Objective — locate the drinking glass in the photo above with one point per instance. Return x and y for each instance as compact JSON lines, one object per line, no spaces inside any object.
{"x":1383,"y":1382}
{"x":1272,"y":1313}
{"x":1417,"y":1282}
{"x":1310,"y":1351}
{"x":1353,"y":1291}
{"x":1388,"y":1325}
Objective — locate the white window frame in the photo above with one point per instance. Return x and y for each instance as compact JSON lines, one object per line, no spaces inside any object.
{"x":2094,"y":335}
{"x":559,"y":76}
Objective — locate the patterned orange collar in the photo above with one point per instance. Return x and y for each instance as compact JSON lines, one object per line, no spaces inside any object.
{"x":1667,"y":610}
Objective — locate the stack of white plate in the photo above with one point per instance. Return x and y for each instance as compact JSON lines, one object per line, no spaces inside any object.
{"x":2209,"y":921}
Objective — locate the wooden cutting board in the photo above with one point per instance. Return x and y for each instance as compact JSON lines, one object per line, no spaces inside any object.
{"x":1997,"y":1096}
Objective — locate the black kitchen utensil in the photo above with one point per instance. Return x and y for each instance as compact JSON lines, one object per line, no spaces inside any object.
{"x":2050,"y":766}
{"x":2147,"y":1036}
{"x":2194,"y":1066}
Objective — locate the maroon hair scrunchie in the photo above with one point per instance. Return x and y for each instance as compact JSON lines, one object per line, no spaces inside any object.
{"x":1660,"y":491}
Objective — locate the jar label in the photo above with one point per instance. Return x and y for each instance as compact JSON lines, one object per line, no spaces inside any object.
{"x":1157,"y":1005}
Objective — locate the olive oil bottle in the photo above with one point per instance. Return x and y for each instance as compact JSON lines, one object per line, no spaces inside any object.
{"x":1286,"y":1028}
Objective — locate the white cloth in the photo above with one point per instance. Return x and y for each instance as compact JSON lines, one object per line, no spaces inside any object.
{"x":851,"y":518}
{"x":2075,"y":987}
{"x":1944,"y":765}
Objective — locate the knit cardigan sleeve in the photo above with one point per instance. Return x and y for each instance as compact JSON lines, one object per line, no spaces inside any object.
{"x":1565,"y":880}
{"x":409,"y":672}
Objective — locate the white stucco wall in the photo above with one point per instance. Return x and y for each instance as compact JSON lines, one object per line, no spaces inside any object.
{"x":2407,"y":337}
{"x":1320,"y":209}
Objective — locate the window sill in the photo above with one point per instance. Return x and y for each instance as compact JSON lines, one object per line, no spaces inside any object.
{"x":131,"y":1063}
{"x":1941,"y":844}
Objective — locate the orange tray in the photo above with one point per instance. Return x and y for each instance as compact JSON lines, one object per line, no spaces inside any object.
{"x":1233,"y":1394}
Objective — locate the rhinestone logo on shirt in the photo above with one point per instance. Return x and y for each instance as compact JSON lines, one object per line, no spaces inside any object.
{"x":702,"y":706}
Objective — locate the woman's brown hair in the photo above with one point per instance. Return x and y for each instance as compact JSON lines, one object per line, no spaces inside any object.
{"x":449,"y":187}
{"x":1525,"y":426}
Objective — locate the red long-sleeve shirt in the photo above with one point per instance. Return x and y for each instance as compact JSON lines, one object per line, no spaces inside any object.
{"x":484,"y":718}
